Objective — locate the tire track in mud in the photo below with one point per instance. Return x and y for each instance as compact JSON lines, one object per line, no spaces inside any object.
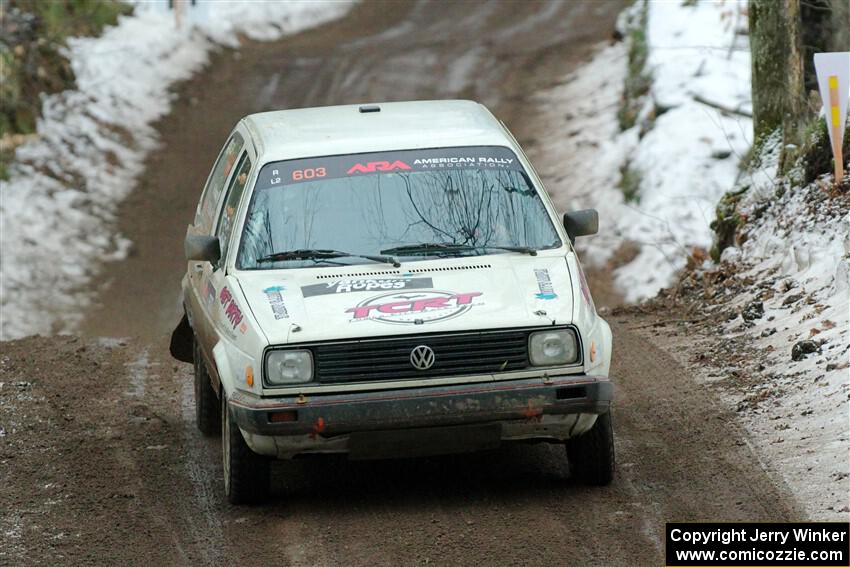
{"x":203,"y":518}
{"x":138,"y":375}
{"x":92,"y":452}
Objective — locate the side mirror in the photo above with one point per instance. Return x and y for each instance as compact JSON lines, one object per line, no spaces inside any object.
{"x":581,"y":223}
{"x":202,"y":248}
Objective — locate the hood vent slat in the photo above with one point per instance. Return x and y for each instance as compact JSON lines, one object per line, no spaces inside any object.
{"x":399,"y":272}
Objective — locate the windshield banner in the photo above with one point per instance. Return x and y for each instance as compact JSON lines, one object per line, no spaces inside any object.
{"x":336,"y":167}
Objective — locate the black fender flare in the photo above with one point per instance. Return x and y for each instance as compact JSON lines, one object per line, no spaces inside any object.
{"x":181,"y":341}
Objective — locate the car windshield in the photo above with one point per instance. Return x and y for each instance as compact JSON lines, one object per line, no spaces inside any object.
{"x":413,"y":205}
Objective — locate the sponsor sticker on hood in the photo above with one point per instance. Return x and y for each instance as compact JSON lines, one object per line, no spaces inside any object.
{"x":349,"y":285}
{"x":544,"y":284}
{"x":276,"y":301}
{"x":406,"y":308}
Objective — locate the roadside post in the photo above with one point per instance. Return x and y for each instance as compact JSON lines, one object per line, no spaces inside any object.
{"x":178,"y":13}
{"x":833,"y":72}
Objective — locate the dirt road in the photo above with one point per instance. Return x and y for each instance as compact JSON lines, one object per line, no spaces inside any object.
{"x":99,"y":459}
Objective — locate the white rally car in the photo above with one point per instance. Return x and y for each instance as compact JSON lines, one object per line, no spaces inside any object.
{"x":388,"y":281}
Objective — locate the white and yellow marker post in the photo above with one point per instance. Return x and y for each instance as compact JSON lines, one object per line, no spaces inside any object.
{"x":833,"y":71}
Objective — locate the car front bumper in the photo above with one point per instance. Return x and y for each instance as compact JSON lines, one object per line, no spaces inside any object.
{"x":419,"y":421}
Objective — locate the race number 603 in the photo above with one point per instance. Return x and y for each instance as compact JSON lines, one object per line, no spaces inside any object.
{"x":308,"y":173}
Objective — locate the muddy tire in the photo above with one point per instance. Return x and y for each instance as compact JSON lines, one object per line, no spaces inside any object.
{"x":591,"y":455}
{"x":246,"y":474}
{"x":207,"y":407}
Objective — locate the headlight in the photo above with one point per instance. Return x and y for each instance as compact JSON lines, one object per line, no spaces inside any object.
{"x":550,"y":348}
{"x":289,"y":367}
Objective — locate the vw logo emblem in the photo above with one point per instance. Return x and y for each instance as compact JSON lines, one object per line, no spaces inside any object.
{"x":422,"y":357}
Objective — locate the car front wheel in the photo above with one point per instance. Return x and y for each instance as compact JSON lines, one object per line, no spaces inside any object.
{"x":591,"y":455}
{"x":246,"y":474}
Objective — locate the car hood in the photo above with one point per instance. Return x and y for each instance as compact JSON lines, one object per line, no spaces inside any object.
{"x":500,"y":291}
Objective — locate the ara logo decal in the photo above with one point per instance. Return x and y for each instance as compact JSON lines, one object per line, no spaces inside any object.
{"x":374,"y":166}
{"x":414,"y":308}
{"x":231,"y":310}
{"x":276,"y":301}
{"x":544,"y":284}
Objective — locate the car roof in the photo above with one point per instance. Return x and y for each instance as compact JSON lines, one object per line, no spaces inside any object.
{"x":347,"y":129}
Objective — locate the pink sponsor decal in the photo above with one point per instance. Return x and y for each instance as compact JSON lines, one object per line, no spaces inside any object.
{"x":414,"y":308}
{"x":231,"y":310}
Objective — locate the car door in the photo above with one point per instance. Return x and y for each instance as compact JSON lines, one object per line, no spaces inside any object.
{"x":225,"y":230}
{"x":202,"y":293}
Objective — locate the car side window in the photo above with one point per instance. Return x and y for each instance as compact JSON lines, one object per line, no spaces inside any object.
{"x":223,"y":167}
{"x":224,"y":229}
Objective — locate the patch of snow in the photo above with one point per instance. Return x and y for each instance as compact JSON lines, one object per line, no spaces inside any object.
{"x":583,"y":163}
{"x":797,"y":249}
{"x":696,"y":51}
{"x":685,"y":161}
{"x":58,"y":206}
{"x":138,"y":374}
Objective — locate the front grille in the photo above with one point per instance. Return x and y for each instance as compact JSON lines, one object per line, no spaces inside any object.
{"x":456,"y":354}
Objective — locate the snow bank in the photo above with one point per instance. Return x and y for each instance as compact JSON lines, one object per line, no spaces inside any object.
{"x":795,"y":261}
{"x":57,"y":208}
{"x":684,"y":150}
{"x":797,"y":250}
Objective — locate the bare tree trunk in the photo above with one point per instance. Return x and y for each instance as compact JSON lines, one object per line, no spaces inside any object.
{"x":796,"y":94}
{"x":784,"y":36}
{"x":769,"y":47}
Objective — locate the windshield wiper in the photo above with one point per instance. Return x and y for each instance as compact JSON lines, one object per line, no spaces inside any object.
{"x":520,"y":249}
{"x":428,"y":248}
{"x":313,"y":254}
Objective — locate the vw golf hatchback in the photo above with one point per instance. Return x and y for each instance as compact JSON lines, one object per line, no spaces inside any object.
{"x":388,"y":280}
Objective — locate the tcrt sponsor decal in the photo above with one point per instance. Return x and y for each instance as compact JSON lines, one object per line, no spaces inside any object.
{"x":406,"y":308}
{"x":544,"y":284}
{"x":373,"y":166}
{"x":276,"y":301}
{"x":374,"y":284}
{"x":232,"y":311}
